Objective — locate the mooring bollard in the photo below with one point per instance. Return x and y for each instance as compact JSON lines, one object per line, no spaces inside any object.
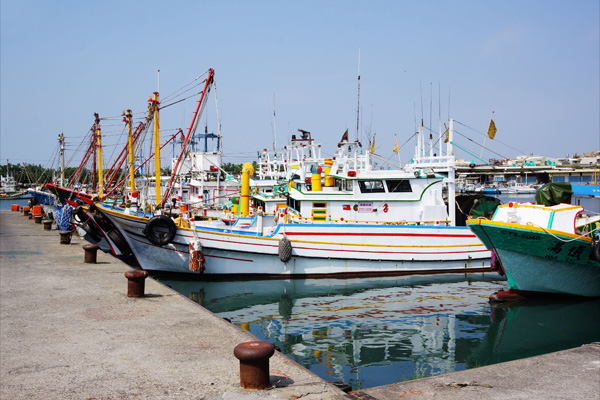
{"x":91,"y":251}
{"x":135,"y":282}
{"x":25,"y":210}
{"x":254,"y":364}
{"x":38,"y":218}
{"x":48,"y":224}
{"x":65,"y":237}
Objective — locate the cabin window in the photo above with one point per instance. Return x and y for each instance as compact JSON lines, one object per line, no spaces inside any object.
{"x":293,"y":203}
{"x":343,"y":185}
{"x":371,"y":186}
{"x":398,"y":185}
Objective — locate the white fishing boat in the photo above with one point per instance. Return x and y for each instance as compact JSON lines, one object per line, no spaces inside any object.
{"x":514,"y":187}
{"x":362,"y":221}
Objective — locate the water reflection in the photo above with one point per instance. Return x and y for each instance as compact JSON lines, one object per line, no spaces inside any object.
{"x":377,"y":331}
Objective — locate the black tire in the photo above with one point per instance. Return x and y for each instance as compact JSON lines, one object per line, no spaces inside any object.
{"x":595,"y":249}
{"x":160,"y":230}
{"x":285,"y":249}
{"x":78,"y":215}
{"x":119,"y":242}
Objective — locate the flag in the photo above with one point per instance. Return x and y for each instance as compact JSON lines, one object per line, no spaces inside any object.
{"x":346,"y":207}
{"x":447,"y":134}
{"x":345,"y":136}
{"x":492,"y":129}
{"x":396,"y":146}
{"x":373,"y":145}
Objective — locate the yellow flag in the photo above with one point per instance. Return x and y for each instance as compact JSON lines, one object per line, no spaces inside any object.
{"x":492,"y":129}
{"x":447,"y":134}
{"x":373,"y":145}
{"x":396,"y":146}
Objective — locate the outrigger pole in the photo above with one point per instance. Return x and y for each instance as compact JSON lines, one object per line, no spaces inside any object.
{"x":201,"y":102}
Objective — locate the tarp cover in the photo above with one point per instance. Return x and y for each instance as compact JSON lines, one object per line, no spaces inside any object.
{"x":554,"y":193}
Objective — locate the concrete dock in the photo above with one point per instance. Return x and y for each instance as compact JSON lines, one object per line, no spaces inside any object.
{"x":69,"y":331}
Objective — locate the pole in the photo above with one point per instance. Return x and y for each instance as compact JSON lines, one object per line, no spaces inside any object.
{"x":451,"y":176}
{"x":62,"y":160}
{"x":486,"y":136}
{"x":100,"y":171}
{"x":358,"y":106}
{"x":130,"y":149}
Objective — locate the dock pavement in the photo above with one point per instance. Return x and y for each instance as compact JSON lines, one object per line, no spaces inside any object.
{"x":69,"y":331}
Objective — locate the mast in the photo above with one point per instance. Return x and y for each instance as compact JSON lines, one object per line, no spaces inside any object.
{"x":94,"y":152}
{"x":61,"y":140}
{"x":358,"y":106}
{"x":274,"y":127}
{"x":156,"y":148}
{"x":451,"y":175}
{"x":99,"y":146}
{"x":130,"y":151}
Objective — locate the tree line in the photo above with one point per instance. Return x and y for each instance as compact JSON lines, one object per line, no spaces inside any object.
{"x":31,"y":175}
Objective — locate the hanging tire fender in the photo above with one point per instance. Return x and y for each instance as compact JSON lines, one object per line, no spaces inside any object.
{"x":595,"y":249}
{"x":160,"y":237}
{"x":78,"y":215}
{"x":285,"y":249}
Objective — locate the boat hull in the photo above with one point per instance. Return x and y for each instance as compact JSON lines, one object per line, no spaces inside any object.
{"x":541,"y":260}
{"x":317,"y":249}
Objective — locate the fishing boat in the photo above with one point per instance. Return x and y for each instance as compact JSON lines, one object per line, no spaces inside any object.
{"x":514,"y":187}
{"x":9,"y":188}
{"x":362,"y":221}
{"x":549,"y":249}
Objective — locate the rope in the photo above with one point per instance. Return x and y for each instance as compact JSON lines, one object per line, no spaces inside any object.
{"x":485,"y":134}
{"x":558,"y":238}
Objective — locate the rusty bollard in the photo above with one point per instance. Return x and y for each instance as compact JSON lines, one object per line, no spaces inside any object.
{"x":254,"y":364}
{"x":65,"y":237}
{"x":135,"y":282}
{"x":91,"y":251}
{"x":47,"y":224}
{"x":29,"y":215}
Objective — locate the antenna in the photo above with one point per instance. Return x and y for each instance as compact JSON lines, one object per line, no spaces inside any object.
{"x":358,"y":106}
{"x":158,"y":81}
{"x":274,"y":127}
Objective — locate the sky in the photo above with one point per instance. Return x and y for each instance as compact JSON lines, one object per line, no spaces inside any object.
{"x":287,"y":65}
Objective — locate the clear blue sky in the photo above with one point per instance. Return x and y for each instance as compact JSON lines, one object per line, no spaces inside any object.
{"x":535,"y":63}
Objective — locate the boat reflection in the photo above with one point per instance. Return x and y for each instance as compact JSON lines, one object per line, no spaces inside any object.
{"x":537,"y":326}
{"x":378,"y":331}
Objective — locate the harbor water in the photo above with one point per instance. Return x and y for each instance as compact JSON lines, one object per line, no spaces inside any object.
{"x":377,"y":331}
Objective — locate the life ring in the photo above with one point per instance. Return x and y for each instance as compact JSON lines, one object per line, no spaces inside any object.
{"x":160,"y":230}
